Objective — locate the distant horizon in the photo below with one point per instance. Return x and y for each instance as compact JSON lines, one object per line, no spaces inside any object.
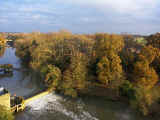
{"x":87,"y":33}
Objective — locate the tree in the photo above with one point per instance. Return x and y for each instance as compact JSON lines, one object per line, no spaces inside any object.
{"x":127,"y":89}
{"x":110,"y":71}
{"x":5,"y":114}
{"x":154,"y":40}
{"x":143,"y":100}
{"x":145,"y":78}
{"x":128,"y":59}
{"x":2,"y":40}
{"x":53,"y":77}
{"x":106,"y":43}
{"x":74,"y":78}
{"x":144,"y":74}
{"x":68,"y":84}
{"x":148,"y":53}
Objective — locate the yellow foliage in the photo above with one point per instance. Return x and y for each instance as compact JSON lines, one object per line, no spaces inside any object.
{"x":144,"y":75}
{"x":110,"y":71}
{"x":105,"y":43}
{"x":2,"y":40}
{"x":148,"y":53}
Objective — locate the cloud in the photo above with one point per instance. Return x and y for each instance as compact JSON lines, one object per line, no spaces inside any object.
{"x":3,"y":20}
{"x":80,"y":15}
{"x":120,"y":6}
{"x":36,"y":16}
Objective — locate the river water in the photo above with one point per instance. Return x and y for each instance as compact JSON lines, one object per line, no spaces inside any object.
{"x":56,"y":107}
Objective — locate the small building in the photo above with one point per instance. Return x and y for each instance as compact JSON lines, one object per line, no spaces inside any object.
{"x":13,"y":103}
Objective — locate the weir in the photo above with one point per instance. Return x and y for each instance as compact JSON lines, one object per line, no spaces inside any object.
{"x":16,"y":104}
{"x":22,"y":105}
{"x":36,"y":97}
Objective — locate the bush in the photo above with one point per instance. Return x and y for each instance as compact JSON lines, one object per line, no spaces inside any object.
{"x":127,"y":90}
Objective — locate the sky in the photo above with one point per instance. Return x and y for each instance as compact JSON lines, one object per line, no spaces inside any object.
{"x":80,"y":16}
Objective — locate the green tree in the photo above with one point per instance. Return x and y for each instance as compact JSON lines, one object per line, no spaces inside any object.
{"x":143,"y":101}
{"x":128,"y":59}
{"x":127,"y":89}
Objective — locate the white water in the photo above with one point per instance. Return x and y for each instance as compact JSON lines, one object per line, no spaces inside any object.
{"x":50,"y":104}
{"x":55,"y":107}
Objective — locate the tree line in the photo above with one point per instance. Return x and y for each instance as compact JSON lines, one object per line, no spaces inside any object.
{"x":74,"y":63}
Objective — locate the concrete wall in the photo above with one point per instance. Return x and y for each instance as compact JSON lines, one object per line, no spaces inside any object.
{"x":5,"y":100}
{"x":36,"y":97}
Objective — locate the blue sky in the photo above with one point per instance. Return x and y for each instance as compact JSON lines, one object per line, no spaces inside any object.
{"x":80,"y":16}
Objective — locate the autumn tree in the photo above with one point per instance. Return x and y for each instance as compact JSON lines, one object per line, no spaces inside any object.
{"x":148,"y":53}
{"x":2,"y":40}
{"x":110,"y":71}
{"x":144,"y":74}
{"x":154,"y":40}
{"x":23,"y":50}
{"x":53,"y":77}
{"x":106,"y":43}
{"x":109,"y":68}
{"x":145,"y":78}
{"x":74,"y":78}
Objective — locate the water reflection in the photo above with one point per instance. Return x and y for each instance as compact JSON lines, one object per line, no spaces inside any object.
{"x":2,"y":50}
{"x":21,"y":83}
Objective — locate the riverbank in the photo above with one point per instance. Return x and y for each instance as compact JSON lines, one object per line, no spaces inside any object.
{"x":58,"y":107}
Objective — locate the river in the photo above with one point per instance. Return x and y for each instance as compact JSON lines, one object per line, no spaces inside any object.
{"x":57,"y":107}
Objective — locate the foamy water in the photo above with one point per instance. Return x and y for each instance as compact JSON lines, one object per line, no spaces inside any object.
{"x":51,"y":104}
{"x":55,"y":107}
